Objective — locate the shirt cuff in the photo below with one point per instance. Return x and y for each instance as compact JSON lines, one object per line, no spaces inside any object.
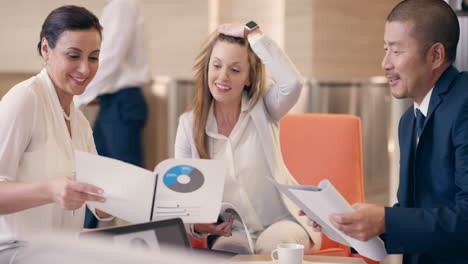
{"x":253,"y":38}
{"x":198,"y":236}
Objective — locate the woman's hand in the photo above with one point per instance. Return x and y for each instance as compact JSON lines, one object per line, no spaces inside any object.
{"x":102,"y":214}
{"x":236,"y":30}
{"x":233,"y":30}
{"x":311,"y":222}
{"x":70,"y":194}
{"x":223,"y":229}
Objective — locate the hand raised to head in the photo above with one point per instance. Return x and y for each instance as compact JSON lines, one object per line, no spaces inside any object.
{"x":232,"y":29}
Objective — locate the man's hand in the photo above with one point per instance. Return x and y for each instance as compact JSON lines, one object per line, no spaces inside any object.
{"x":366,"y":222}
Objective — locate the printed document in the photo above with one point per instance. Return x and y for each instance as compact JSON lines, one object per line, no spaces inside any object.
{"x":319,"y":203}
{"x":191,"y":189}
{"x":228,"y":209}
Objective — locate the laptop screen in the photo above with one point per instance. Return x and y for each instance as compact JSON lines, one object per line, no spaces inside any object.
{"x":151,"y":235}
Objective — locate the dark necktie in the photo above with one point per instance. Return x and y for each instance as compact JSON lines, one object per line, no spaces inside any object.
{"x":420,"y":118}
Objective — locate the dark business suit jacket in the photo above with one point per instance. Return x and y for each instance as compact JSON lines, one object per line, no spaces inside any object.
{"x":429,"y":224}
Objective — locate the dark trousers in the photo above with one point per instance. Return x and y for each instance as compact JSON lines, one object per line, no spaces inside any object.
{"x":118,"y":130}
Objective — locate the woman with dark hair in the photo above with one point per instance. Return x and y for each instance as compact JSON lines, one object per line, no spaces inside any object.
{"x":40,"y":128}
{"x":235,"y":118}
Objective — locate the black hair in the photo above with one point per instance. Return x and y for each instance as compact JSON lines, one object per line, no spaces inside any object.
{"x":434,"y":21}
{"x":68,"y":17}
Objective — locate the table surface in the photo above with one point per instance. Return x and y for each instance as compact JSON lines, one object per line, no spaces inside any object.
{"x":311,"y":258}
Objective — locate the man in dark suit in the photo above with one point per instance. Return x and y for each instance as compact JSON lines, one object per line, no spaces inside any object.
{"x":429,"y":224}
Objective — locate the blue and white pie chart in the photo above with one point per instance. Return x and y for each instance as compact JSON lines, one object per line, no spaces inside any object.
{"x":183,"y":178}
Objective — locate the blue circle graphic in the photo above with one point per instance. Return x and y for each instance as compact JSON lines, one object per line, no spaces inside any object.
{"x":171,"y":176}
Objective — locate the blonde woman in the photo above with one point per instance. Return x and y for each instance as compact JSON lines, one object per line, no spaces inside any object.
{"x":235,"y":118}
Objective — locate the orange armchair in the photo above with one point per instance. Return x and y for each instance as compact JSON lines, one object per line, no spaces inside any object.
{"x":197,"y":243}
{"x":325,"y":146}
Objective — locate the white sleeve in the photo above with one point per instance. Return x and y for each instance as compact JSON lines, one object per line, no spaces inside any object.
{"x":184,"y":137}
{"x":286,"y":90}
{"x":17,"y":121}
{"x":118,"y":22}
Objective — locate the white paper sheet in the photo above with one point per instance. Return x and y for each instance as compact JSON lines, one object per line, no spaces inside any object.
{"x":175,"y":196}
{"x":318,"y":203}
{"x":128,"y":189}
{"x":227,"y":210}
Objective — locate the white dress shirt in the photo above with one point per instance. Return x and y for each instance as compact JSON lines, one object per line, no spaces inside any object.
{"x":36,"y":145}
{"x":424,"y":106}
{"x":122,"y":61}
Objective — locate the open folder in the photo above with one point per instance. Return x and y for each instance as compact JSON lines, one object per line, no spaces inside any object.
{"x":319,"y":203}
{"x":191,"y":189}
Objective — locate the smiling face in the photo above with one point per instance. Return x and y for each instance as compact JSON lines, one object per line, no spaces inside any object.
{"x":228,"y":72}
{"x":74,"y":61}
{"x":406,"y":63}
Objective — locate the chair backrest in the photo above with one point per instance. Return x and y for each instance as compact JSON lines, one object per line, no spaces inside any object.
{"x":325,"y":146}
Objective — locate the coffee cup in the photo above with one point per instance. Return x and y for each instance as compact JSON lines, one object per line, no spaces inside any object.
{"x":288,"y":253}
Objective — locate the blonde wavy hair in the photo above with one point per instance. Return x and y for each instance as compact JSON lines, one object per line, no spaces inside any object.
{"x":203,"y":98}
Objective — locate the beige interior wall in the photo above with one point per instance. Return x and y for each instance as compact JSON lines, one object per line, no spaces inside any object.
{"x":8,"y":80}
{"x":155,"y":131}
{"x":175,"y":31}
{"x":268,"y":14}
{"x":327,"y":40}
{"x":20,"y":24}
{"x":298,"y":32}
{"x":348,"y":38}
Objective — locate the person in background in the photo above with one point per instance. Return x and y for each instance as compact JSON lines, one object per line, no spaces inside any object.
{"x":123,"y":69}
{"x":40,"y":128}
{"x":235,"y":118}
{"x":429,"y":224}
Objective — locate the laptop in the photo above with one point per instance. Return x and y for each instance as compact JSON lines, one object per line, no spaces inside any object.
{"x":169,"y":233}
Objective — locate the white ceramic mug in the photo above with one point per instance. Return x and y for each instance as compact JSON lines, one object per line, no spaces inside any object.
{"x":288,"y":253}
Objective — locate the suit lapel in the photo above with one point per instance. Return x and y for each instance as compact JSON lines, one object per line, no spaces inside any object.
{"x":407,"y":151}
{"x":408,"y":145}
{"x":441,"y":88}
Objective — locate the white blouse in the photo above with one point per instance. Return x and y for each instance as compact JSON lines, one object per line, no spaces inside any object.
{"x":247,"y":171}
{"x":36,"y":145}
